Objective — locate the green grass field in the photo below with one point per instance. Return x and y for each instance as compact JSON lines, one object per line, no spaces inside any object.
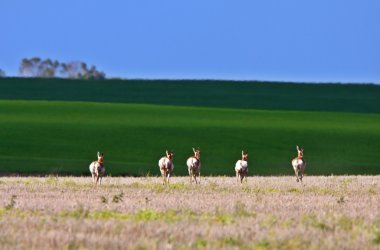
{"x":54,"y":126}
{"x":218,"y":94}
{"x":55,"y":137}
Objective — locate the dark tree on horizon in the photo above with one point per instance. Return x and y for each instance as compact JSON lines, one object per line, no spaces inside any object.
{"x":36,"y":67}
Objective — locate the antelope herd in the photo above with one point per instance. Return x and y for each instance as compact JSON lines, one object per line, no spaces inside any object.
{"x":193,"y":163}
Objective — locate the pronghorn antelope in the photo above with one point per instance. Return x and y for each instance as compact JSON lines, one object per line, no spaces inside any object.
{"x":97,"y":169}
{"x":299,"y":164}
{"x":241,"y":167}
{"x":194,"y":166}
{"x":166,"y":166}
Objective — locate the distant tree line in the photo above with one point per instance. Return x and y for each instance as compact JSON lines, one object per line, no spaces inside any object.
{"x":36,"y":67}
{"x":2,"y":73}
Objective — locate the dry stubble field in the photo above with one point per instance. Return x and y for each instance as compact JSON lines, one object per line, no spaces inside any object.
{"x":332,"y":212}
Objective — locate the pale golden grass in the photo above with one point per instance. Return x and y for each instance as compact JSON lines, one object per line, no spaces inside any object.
{"x":334,"y":212}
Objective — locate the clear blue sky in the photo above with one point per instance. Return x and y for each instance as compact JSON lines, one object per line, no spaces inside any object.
{"x":297,"y":40}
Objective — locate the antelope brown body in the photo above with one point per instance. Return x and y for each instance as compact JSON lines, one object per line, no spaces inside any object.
{"x":166,"y":166}
{"x":299,"y":164}
{"x":194,"y":166}
{"x":97,"y":169}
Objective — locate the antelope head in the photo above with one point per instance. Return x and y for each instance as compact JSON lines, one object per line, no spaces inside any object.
{"x":300,"y":152}
{"x":244,"y":155}
{"x":169,"y":155}
{"x":197,"y":153}
{"x":100,"y":157}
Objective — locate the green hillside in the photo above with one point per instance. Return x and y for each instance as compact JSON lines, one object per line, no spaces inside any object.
{"x":225,"y":94}
{"x":63,"y":137}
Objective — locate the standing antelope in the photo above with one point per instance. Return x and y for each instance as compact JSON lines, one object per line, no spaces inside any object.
{"x":241,"y":167}
{"x":299,"y":164}
{"x":97,"y":169}
{"x":194,"y":166}
{"x":166,"y":166}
